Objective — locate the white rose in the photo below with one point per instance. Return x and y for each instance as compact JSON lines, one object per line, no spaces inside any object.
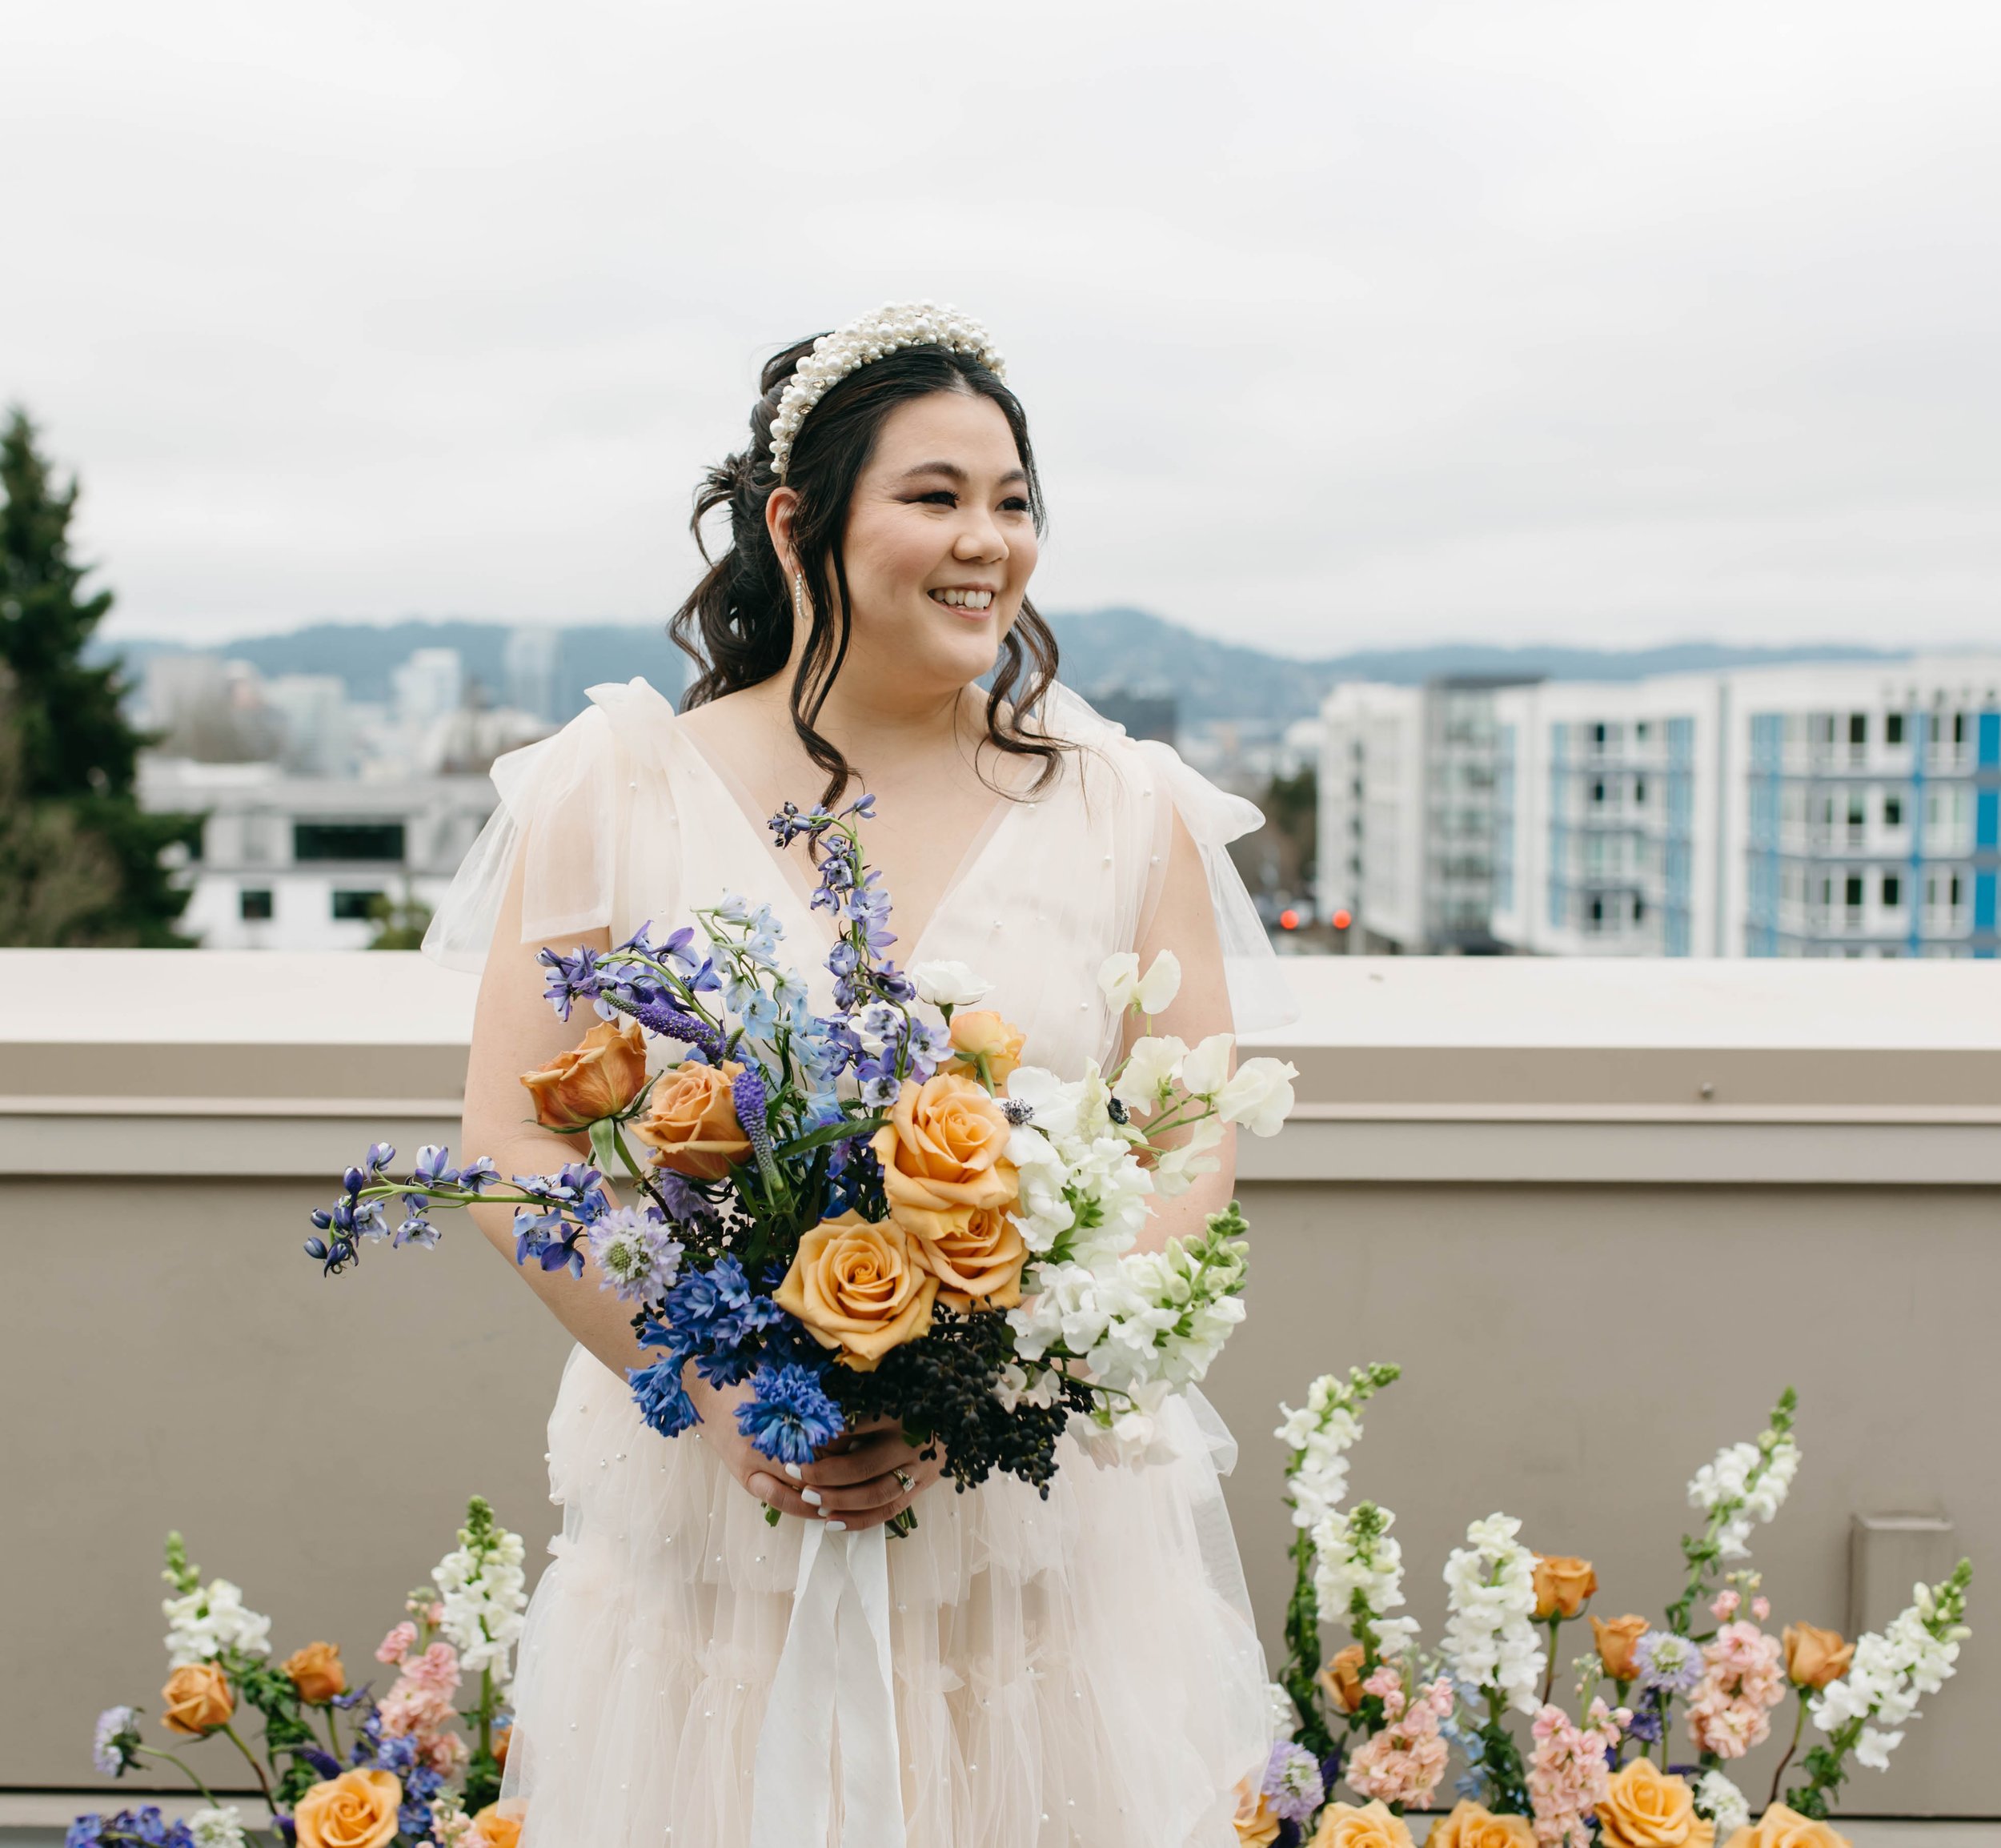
{"x":1150,"y":1067}
{"x":1124,"y":986}
{"x":949,"y":985}
{"x":1259,"y":1094}
{"x":1205,"y":1069}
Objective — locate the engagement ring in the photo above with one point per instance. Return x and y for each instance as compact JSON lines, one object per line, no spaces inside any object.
{"x":904,"y":1480}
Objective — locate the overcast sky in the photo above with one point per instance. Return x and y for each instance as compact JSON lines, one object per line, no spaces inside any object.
{"x":1338,"y":325}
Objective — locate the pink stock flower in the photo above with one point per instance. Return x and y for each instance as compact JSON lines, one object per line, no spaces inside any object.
{"x":445,"y":1753}
{"x":1403,"y":1762}
{"x":437,"y":1667}
{"x":1568,"y":1772}
{"x":1743,"y":1679}
{"x":1761,"y":1608}
{"x":396,"y":1645}
{"x":1723,"y":1606}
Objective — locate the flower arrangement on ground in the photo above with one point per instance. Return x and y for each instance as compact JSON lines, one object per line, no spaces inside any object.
{"x":337,"y":1765}
{"x":878,"y":1211}
{"x":1383,"y":1715}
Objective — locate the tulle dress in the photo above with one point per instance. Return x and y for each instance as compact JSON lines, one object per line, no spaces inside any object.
{"x":1077,"y":1670}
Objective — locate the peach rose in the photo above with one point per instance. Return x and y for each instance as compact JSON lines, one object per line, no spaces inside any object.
{"x":691,"y":1120}
{"x":317,"y":1673}
{"x":978,"y":1264}
{"x":1257,"y":1821}
{"x":943,"y":1154}
{"x":196,"y":1700}
{"x":599,"y":1078}
{"x":1616,"y":1639}
{"x":1343,"y":1826}
{"x":1815,"y":1657}
{"x":502,"y":1741}
{"x":1471,"y":1826}
{"x":859,"y":1288}
{"x":1561,"y":1584}
{"x":493,"y":1829}
{"x":356,"y":1809}
{"x":1340,"y":1680}
{"x":1782,"y":1828}
{"x":984,"y":1031}
{"x":1643,"y":1807}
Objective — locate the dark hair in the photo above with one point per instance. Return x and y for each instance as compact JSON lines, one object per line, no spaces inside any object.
{"x":737,"y":623}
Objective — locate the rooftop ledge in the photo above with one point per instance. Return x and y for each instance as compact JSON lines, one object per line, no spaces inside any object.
{"x":1478,"y":1070}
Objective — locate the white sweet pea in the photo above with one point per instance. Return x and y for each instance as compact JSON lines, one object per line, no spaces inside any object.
{"x":1124,"y":986}
{"x":1150,"y":1067}
{"x":1177,"y":1168}
{"x":945,"y":985}
{"x":1205,"y":1069}
{"x":1258,"y":1094}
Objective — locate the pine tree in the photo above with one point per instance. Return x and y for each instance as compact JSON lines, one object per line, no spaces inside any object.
{"x":72,"y":755}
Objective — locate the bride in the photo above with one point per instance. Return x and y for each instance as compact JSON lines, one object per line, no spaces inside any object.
{"x":1080,"y":1670}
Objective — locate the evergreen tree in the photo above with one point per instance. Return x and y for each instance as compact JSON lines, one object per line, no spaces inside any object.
{"x":73,"y":758}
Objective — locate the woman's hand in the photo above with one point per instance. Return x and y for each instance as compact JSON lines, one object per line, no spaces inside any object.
{"x":853,"y":1484}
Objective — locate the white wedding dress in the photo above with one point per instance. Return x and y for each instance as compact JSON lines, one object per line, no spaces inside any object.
{"x":1077,"y":1670}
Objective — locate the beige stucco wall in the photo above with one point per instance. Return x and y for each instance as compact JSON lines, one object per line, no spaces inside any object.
{"x":1572,"y":1349}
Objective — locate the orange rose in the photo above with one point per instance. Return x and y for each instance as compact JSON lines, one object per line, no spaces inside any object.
{"x":1257,"y":1821}
{"x":691,"y":1120}
{"x":501,"y":1740}
{"x":1561,"y":1584}
{"x":316,"y":1673}
{"x":1616,"y":1640}
{"x":944,"y":1155}
{"x":1815,"y":1657}
{"x":196,"y":1700}
{"x":1373,"y":1826}
{"x":984,"y":1031}
{"x":1782,"y":1828}
{"x":598,"y":1079}
{"x":491,"y":1829}
{"x":356,"y":1809}
{"x":1471,"y":1826}
{"x":978,"y":1263}
{"x":1643,"y":1807}
{"x":859,"y":1287}
{"x":1340,"y":1679}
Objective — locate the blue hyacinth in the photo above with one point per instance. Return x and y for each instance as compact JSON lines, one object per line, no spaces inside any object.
{"x":789,"y":1417}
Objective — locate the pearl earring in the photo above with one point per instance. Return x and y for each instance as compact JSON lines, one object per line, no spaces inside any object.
{"x":799,"y":596}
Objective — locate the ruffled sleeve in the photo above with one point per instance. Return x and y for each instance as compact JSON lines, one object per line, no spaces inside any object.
{"x":573,"y":809}
{"x":1260,"y":995}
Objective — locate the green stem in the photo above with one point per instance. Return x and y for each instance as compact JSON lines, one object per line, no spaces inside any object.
{"x":187,"y":1771}
{"x":250,"y":1757}
{"x":486,"y":1708}
{"x":1549,"y":1674}
{"x":1799,"y":1723}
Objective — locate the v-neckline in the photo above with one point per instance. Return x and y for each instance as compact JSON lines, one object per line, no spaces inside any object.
{"x":743,"y":805}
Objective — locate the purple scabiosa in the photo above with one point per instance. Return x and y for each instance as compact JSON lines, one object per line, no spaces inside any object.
{"x":1665,"y":1664}
{"x":638,"y":1252}
{"x":1292,"y":1781}
{"x":115,"y":1749}
{"x":788,"y":1416}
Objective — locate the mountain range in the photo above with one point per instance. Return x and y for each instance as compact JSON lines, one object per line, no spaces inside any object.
{"x":1210,"y":679}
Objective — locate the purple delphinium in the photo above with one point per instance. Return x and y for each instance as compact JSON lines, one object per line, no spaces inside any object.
{"x":1645,"y":1725}
{"x":789,"y":1416}
{"x":1292,"y":1781}
{"x":1667,"y":1664}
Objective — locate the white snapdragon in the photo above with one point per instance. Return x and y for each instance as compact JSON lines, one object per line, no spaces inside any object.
{"x":1355,"y":1558}
{"x":1913,"y":1656}
{"x":1318,"y":1437}
{"x":1124,"y":986}
{"x":1721,"y":1800}
{"x":947,"y":984}
{"x":1281,"y":1715}
{"x":1490,"y":1639}
{"x":217,"y":1828}
{"x":1746,"y":1484}
{"x":210,"y":1622}
{"x":483,"y":1587}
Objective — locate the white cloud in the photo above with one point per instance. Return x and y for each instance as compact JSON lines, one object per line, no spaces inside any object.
{"x":1336,"y":323}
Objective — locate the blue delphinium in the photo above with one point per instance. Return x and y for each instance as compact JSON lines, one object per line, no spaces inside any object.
{"x":147,"y":1827}
{"x":788,"y":1416}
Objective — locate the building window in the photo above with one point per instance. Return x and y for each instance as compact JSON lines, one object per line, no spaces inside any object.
{"x":1639,"y":909}
{"x":1639,"y":792}
{"x":253,"y":905}
{"x":349,"y":906}
{"x":1893,"y":728}
{"x":1858,"y":729}
{"x":348,"y":841}
{"x":1852,"y":892}
{"x":1892,"y":892}
{"x":1893,"y":811}
{"x":1598,"y":789}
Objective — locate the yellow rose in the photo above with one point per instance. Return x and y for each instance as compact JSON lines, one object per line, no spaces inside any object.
{"x":356,"y":1809}
{"x":1561,"y":1584}
{"x":196,"y":1700}
{"x":1782,"y":1828}
{"x":599,"y":1078}
{"x":1815,"y":1657}
{"x":491,"y":1829}
{"x":1257,"y":1821}
{"x":984,"y":1031}
{"x":978,"y":1263}
{"x":1343,"y":1826}
{"x":1340,"y":1679}
{"x":859,"y":1287}
{"x":1616,"y":1640}
{"x":944,"y":1155}
{"x":691,"y":1120}
{"x":317,"y":1673}
{"x":1471,"y":1826}
{"x":1643,"y":1807}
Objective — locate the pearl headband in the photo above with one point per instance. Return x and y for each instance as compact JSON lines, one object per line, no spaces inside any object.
{"x":872,"y":336}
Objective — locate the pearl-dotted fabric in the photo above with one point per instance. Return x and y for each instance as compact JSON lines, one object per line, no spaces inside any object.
{"x":1077,"y":1670}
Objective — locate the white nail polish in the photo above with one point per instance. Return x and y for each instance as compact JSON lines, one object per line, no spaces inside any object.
{"x":810,"y":1495}
{"x":794,"y":1471}
{"x":838,"y":1526}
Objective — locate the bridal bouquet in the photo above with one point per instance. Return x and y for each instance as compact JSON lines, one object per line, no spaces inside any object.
{"x":1384,"y":1716}
{"x":337,"y":1764}
{"x":868,"y":1212}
